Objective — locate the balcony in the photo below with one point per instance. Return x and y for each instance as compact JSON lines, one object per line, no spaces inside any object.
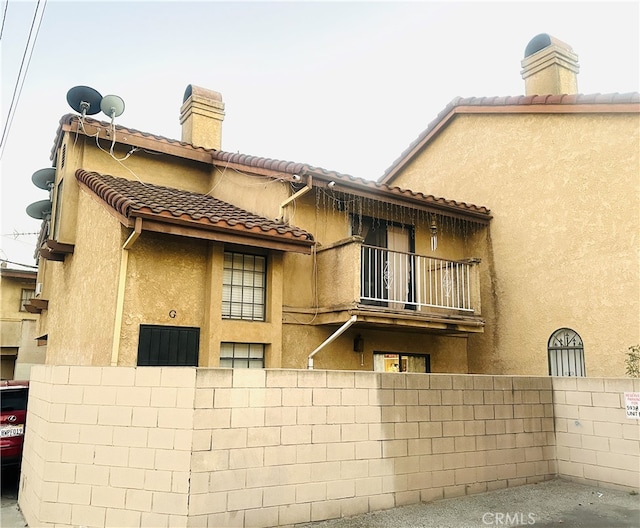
{"x":385,"y":287}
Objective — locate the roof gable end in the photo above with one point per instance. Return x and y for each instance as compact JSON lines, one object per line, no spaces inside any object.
{"x":564,"y":103}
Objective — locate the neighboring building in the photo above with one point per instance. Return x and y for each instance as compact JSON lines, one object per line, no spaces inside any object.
{"x":160,"y":252}
{"x":20,"y":348}
{"x":561,"y":173}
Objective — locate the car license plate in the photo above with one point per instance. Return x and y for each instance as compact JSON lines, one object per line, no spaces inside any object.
{"x":7,"y":431}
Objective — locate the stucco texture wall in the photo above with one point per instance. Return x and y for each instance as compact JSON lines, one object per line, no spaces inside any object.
{"x":82,"y":291}
{"x":165,"y":285}
{"x":299,"y":340}
{"x":562,"y":250}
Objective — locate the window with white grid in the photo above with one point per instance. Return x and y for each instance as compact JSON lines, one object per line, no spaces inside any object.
{"x":242,"y":355}
{"x":244,"y":287}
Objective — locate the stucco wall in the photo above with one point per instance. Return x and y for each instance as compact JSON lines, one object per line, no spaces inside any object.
{"x":563,"y":245}
{"x":82,"y":290}
{"x":446,"y":354}
{"x":165,"y":285}
{"x":166,"y":280}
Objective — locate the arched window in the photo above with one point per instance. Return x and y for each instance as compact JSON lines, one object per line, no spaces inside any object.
{"x":566,"y":353}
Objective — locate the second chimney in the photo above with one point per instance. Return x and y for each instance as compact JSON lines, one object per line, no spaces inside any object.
{"x":549,"y":67}
{"x":201,"y":117}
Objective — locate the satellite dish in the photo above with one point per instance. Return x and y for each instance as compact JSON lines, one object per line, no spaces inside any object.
{"x":39,"y":210}
{"x":84,"y":100}
{"x":112,"y":105}
{"x":43,"y":178}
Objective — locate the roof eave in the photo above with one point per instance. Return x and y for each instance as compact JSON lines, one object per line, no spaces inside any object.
{"x":130,"y":138}
{"x":259,"y":166}
{"x":537,"y":104}
{"x":190,"y":229}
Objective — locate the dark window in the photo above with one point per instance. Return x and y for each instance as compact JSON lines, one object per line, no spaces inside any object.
{"x":242,"y":355}
{"x":168,"y":346}
{"x":566,"y":353}
{"x":244,"y":287}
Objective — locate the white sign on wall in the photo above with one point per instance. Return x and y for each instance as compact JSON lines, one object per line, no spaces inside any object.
{"x":632,"y":404}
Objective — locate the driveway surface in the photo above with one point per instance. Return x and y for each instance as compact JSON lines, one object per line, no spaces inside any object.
{"x":552,"y":504}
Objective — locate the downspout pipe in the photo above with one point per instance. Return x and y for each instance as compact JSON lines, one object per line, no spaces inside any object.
{"x":331,"y":338}
{"x":122,"y":279}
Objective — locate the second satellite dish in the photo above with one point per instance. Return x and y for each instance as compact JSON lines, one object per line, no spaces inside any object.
{"x":43,"y":178}
{"x":112,"y":105}
{"x":84,"y":100}
{"x":39,"y":210}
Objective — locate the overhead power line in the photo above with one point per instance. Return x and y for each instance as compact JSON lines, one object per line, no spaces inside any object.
{"x":22,"y":74}
{"x":4,"y":17}
{"x":18,"y":263}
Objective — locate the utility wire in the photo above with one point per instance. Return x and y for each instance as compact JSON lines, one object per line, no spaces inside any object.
{"x":4,"y":17}
{"x":28,"y":53}
{"x":18,"y":263}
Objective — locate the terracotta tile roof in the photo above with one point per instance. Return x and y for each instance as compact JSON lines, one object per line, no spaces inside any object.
{"x":134,"y":198}
{"x":519,"y":103}
{"x":280,"y":167}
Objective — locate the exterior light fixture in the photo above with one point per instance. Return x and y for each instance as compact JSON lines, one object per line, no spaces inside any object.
{"x":434,"y":233}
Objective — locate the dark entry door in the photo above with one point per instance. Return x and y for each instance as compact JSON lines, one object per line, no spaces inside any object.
{"x":168,"y":346}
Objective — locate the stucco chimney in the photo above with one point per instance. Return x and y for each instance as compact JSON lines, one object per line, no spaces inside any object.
{"x":201,"y":117}
{"x":549,"y":67}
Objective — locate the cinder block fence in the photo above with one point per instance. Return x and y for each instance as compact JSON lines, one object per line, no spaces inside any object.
{"x":118,"y":446}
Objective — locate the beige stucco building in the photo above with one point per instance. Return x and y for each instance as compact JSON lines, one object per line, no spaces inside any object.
{"x":561,"y":174}
{"x":20,"y":349}
{"x":173,"y":252}
{"x":163,"y":252}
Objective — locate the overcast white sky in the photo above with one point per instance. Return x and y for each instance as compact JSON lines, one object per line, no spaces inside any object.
{"x":341,"y":85}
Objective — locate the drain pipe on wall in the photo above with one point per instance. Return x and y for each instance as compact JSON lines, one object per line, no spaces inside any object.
{"x":124,"y":264}
{"x":332,"y":337}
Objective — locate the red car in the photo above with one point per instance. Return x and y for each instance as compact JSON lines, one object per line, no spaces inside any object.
{"x":13,"y":400}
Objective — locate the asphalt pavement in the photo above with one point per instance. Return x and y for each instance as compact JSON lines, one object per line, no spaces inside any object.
{"x":552,"y":504}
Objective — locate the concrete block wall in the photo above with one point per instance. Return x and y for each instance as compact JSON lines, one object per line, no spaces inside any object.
{"x":171,"y":447}
{"x":596,"y":443}
{"x":108,"y":446}
{"x":279,"y":447}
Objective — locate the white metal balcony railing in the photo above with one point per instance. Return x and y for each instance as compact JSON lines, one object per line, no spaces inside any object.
{"x":401,"y":280}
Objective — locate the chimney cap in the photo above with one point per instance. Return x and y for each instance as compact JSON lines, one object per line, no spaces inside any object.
{"x":541,"y":41}
{"x":202,"y":92}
